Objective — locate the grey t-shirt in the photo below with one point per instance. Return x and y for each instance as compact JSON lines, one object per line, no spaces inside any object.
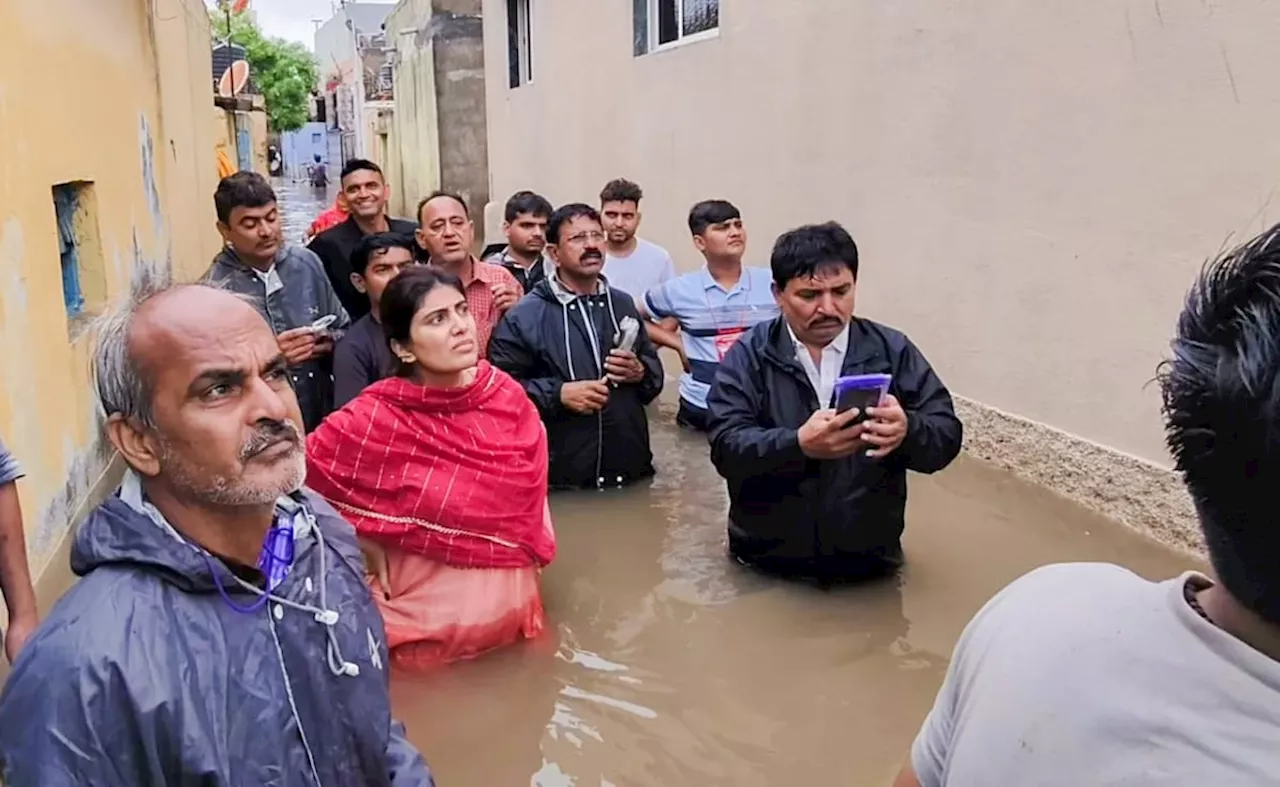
{"x":640,"y":271}
{"x":362,"y":358}
{"x":1086,"y":674}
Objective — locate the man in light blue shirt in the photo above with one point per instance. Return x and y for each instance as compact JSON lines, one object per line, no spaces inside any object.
{"x":712,"y":306}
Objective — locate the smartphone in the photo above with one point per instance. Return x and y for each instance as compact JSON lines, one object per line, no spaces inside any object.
{"x":625,"y":339}
{"x":321,"y":325}
{"x":860,"y":391}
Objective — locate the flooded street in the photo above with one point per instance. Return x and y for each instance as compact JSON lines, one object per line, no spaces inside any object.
{"x":666,"y":664}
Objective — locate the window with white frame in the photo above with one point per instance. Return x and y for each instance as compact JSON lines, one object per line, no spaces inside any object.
{"x":519,"y":42}
{"x":660,"y":23}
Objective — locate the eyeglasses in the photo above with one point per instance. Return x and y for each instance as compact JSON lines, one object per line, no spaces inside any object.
{"x":595,"y":236}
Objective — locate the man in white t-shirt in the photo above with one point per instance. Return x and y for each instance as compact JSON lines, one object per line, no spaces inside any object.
{"x":1087,"y":674}
{"x":632,"y":265}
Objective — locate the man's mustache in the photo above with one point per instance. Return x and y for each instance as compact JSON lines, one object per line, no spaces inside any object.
{"x":592,"y":254}
{"x":268,"y":434}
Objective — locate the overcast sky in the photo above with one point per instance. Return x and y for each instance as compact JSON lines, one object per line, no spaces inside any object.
{"x":291,"y":19}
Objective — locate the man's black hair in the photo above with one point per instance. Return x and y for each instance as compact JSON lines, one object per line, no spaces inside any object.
{"x":620,"y":190}
{"x":711,"y":211}
{"x":800,"y":252}
{"x":526,"y":202}
{"x":241,"y":190}
{"x":357,"y":164}
{"x":1221,"y":392}
{"x":436,"y":194}
{"x":565,"y":214}
{"x":374,"y":243}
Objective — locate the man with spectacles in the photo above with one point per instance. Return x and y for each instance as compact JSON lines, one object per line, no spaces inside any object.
{"x":579,"y":349}
{"x":447,"y":234}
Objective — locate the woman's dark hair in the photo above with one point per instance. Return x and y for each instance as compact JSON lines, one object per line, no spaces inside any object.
{"x":241,"y":190}
{"x":565,"y":214}
{"x":402,"y":299}
{"x":711,"y":211}
{"x":375,"y":243}
{"x":800,"y":252}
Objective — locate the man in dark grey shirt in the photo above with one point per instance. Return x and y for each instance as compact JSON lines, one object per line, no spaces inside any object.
{"x":363,"y":357}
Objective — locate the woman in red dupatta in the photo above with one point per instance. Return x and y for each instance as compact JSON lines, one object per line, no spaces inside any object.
{"x":443,"y":472}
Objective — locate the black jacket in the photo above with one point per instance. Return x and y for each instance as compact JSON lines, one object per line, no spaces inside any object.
{"x":828,"y":519}
{"x":552,"y":337}
{"x":334,"y":247}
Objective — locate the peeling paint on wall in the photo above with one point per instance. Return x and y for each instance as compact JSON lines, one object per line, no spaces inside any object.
{"x":147,"y":150}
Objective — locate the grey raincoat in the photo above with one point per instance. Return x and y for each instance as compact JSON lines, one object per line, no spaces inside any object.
{"x":296,"y":292}
{"x":143,"y":674}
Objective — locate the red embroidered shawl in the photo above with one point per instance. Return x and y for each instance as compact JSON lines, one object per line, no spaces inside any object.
{"x":457,"y":475}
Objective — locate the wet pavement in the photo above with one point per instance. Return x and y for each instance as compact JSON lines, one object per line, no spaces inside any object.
{"x":300,"y":203}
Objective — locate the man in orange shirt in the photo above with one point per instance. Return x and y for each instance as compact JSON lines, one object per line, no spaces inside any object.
{"x":446,"y":232}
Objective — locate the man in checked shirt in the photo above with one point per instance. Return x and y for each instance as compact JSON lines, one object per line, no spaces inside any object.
{"x":446,"y":233}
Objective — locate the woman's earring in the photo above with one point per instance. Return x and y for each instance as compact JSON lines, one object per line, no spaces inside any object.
{"x":406,"y":358}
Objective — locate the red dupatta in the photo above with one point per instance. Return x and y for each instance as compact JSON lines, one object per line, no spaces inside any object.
{"x":458,"y":475}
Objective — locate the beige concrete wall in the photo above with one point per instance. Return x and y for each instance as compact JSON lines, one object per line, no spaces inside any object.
{"x":1032,"y":185}
{"x":415,"y":124}
{"x":133,"y":83}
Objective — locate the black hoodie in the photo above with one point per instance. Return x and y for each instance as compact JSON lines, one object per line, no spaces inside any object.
{"x":552,"y":337}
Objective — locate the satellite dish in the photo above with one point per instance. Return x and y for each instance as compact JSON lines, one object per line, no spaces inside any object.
{"x":234,"y":79}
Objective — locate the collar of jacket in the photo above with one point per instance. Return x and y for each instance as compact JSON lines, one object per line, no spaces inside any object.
{"x":231,"y":257}
{"x":565,"y":297}
{"x":781,"y":351}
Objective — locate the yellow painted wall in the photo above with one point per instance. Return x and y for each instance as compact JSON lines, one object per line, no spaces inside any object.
{"x":133,"y":86}
{"x":415,"y":125}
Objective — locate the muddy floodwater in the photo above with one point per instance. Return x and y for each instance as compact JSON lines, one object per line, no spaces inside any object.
{"x":667,"y":664}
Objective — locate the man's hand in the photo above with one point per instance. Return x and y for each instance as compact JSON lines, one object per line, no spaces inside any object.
{"x":887,"y":428}
{"x":324,"y":345}
{"x":585,"y":396}
{"x":504,"y":296}
{"x":375,"y":565}
{"x":298,"y":345}
{"x":20,"y":629}
{"x":622,"y":366}
{"x":829,"y":435}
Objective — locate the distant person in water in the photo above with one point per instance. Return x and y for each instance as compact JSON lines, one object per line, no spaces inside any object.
{"x":1087,"y":674}
{"x":221,"y":632}
{"x":320,"y":173}
{"x":443,"y":471}
{"x":814,"y":493}
{"x":287,"y":284}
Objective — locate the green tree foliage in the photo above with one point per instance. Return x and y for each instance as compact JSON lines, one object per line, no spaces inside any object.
{"x":284,"y":71}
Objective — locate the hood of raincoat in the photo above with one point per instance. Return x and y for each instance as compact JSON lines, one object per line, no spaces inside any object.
{"x":144,"y":673}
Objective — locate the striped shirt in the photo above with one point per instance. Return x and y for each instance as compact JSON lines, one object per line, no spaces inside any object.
{"x":9,"y":470}
{"x":711,"y":319}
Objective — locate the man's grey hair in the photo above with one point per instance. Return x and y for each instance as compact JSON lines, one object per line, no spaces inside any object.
{"x":120,"y":385}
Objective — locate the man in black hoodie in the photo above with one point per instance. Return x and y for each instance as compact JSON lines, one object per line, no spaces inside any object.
{"x":567,"y":344}
{"x":816,"y":493}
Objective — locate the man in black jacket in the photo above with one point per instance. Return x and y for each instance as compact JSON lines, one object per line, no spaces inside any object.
{"x":562,"y":342}
{"x":365,"y":193}
{"x":814,"y":493}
